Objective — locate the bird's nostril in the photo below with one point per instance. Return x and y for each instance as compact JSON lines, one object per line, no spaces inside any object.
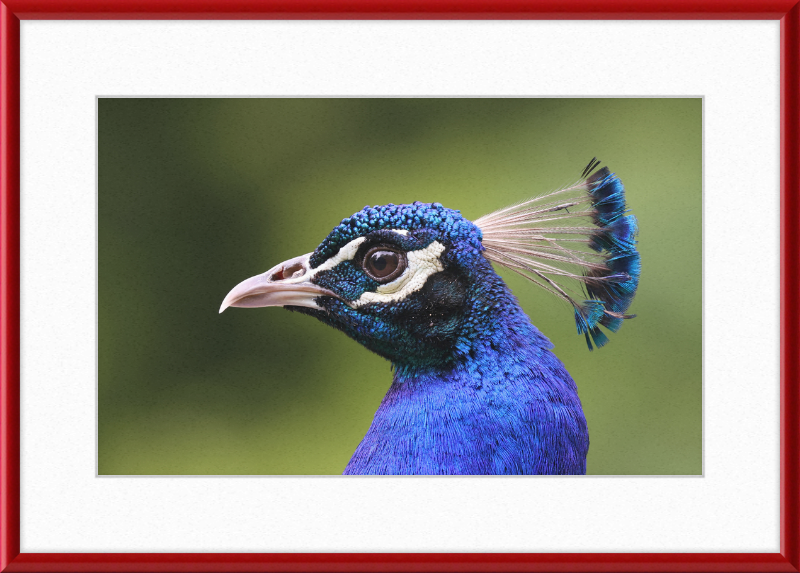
{"x":290,"y":272}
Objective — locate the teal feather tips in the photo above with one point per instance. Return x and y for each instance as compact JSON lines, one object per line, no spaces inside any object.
{"x":578,"y":243}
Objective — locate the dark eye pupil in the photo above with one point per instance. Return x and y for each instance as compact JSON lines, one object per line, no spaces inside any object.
{"x":379,"y":262}
{"x":383,"y":263}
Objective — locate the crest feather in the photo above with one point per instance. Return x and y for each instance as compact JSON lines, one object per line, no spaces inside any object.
{"x":577,"y":243}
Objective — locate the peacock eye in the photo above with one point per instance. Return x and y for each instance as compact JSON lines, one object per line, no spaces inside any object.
{"x":383,"y":264}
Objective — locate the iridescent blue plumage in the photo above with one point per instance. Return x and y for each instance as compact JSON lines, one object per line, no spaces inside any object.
{"x":499,"y":402}
{"x":476,"y":388}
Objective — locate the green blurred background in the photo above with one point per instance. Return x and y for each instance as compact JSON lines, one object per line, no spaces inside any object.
{"x":197,"y":194}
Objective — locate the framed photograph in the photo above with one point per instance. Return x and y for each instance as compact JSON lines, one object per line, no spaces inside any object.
{"x":154,"y":156}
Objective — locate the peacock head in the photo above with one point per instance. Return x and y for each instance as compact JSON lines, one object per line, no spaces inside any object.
{"x":396,"y":278}
{"x":413,"y":283}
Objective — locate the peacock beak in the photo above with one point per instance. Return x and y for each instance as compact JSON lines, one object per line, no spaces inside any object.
{"x":286,"y":284}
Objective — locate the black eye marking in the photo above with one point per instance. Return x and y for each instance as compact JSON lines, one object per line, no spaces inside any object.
{"x":384,"y":264}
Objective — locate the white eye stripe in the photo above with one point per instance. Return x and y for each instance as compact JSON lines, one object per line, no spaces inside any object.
{"x":421,"y":265}
{"x":346,"y":253}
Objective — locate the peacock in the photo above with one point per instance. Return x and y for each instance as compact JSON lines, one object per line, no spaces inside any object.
{"x":476,"y":387}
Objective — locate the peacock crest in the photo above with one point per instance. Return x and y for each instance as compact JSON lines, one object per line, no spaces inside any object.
{"x":577,"y":243}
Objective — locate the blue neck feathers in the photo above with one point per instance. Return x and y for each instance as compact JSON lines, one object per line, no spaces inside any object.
{"x":503,"y":405}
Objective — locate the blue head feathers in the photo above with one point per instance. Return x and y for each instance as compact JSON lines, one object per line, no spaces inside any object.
{"x":411,"y":283}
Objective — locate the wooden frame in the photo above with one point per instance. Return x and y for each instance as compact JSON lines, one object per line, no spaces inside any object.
{"x":11,"y":11}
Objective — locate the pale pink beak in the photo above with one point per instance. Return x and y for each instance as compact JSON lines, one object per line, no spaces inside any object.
{"x":286,"y":284}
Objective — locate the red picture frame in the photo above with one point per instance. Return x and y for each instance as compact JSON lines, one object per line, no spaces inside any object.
{"x":12,"y":11}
